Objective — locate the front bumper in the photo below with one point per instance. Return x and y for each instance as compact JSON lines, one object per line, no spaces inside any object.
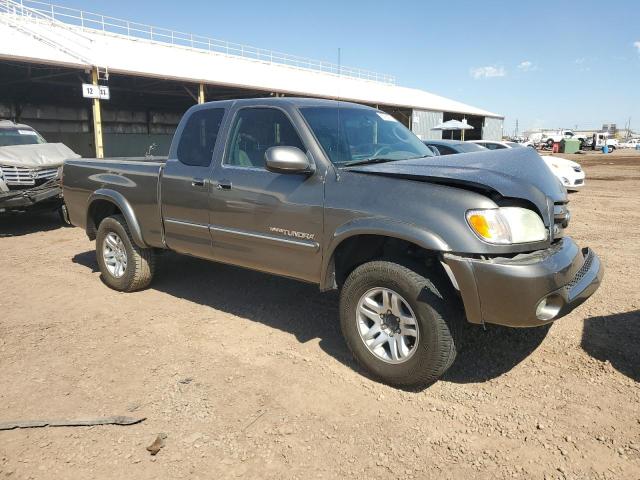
{"x":509,"y":291}
{"x":20,"y":200}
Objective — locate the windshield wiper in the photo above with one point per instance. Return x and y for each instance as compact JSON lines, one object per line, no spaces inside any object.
{"x":368,"y":161}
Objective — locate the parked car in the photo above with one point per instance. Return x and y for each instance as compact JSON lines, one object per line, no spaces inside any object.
{"x":346,"y":197}
{"x":568,"y":172}
{"x":29,"y":170}
{"x":631,"y":143}
{"x":497,"y":144}
{"x":451,"y":147}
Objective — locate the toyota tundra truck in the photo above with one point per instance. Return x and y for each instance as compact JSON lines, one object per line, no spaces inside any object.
{"x":344,"y":196}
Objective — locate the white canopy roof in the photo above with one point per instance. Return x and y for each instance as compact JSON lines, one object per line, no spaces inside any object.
{"x":453,"y":125}
{"x":50,"y":41}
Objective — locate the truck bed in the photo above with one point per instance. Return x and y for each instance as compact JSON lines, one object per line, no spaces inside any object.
{"x":135,"y":181}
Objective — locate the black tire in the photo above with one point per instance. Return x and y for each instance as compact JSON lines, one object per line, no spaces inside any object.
{"x":550,"y":143}
{"x":439,"y":318}
{"x":141,"y":262}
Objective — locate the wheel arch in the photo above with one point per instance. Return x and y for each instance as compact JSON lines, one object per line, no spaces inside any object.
{"x":106,"y":202}
{"x":367,"y":238}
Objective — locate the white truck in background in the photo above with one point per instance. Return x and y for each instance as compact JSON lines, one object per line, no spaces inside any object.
{"x":549,"y":138}
{"x":602,"y":139}
{"x":596,"y":140}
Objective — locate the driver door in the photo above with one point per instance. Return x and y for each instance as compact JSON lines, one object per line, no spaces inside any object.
{"x":259,"y":219}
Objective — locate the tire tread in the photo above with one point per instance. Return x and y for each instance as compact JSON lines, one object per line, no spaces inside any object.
{"x":445,"y":313}
{"x":143,"y":259}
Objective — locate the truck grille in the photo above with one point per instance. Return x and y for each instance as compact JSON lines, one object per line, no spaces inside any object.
{"x":588,"y":260}
{"x":21,"y":176}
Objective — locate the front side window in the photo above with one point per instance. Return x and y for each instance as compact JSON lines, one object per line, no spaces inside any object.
{"x":19,"y":136}
{"x":351,"y":135}
{"x":199,"y":137}
{"x":254,"y":131}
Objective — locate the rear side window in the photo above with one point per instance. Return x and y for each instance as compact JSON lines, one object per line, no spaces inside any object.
{"x":199,"y":137}
{"x":254,"y":131}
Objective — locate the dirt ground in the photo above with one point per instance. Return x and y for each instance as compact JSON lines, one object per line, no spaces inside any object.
{"x":248,"y":376}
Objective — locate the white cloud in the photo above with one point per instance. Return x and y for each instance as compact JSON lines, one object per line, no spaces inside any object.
{"x":582,"y":64}
{"x":637,"y":46}
{"x":527,"y":66}
{"x":488,"y":72}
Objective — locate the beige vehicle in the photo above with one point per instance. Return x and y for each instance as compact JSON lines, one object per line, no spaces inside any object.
{"x":29,"y":177}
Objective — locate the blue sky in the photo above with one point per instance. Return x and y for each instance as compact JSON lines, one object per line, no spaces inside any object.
{"x":545,"y":63}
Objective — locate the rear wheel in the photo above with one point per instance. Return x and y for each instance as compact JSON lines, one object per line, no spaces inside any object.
{"x":124,"y":265}
{"x":400,"y":324}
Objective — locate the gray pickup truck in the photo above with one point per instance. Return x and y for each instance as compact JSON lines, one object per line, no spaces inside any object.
{"x":346,"y":197}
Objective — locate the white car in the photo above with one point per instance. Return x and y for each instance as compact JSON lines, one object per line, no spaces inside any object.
{"x":569,"y":173}
{"x":631,"y":143}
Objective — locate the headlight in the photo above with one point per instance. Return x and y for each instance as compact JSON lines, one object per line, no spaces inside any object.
{"x":1,"y":174}
{"x":507,"y":225}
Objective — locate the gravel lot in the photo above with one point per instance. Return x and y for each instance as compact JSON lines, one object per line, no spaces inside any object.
{"x":248,"y":375}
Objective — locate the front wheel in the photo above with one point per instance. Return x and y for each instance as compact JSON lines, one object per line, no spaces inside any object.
{"x":124,"y":265}
{"x":399,"y":324}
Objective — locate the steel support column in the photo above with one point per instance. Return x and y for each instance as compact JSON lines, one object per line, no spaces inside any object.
{"x":97,"y":118}
{"x":201,"y":94}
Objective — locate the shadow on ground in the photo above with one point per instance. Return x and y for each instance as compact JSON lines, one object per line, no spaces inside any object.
{"x":491,"y":353}
{"x":27,"y":223}
{"x":301,"y":310}
{"x":615,"y":338}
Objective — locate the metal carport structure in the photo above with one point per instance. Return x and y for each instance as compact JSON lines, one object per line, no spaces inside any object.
{"x":47,"y":51}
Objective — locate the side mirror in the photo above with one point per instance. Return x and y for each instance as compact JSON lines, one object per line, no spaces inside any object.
{"x":288,"y":160}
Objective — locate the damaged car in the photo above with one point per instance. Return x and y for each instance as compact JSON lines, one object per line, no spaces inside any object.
{"x":29,"y":170}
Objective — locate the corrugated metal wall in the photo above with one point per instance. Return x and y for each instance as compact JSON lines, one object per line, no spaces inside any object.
{"x":492,"y":129}
{"x":423,"y":121}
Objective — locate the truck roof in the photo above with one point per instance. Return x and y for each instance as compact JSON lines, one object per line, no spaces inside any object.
{"x":295,"y":101}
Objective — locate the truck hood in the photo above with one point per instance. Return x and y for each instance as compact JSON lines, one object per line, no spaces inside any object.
{"x":512,"y":173}
{"x":43,"y":155}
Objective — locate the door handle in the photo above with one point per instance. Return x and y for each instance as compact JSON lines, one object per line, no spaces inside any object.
{"x":224,"y":185}
{"x":197,"y":182}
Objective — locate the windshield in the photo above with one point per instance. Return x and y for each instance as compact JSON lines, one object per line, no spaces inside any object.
{"x":351,"y":135}
{"x":19,"y":136}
